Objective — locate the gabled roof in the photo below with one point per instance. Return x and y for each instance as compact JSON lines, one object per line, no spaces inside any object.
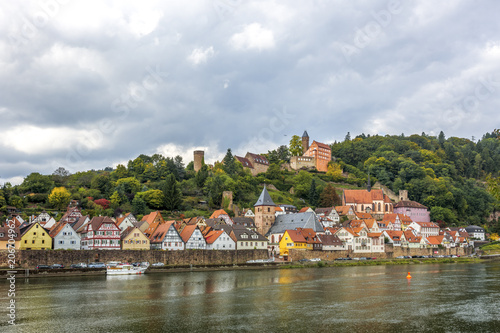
{"x":321,"y":145}
{"x":244,"y":221}
{"x":294,"y":221}
{"x":409,"y":204}
{"x":212,"y":236}
{"x":24,"y":230}
{"x":152,"y":228}
{"x":187,"y":232}
{"x":97,"y":221}
{"x":304,"y":209}
{"x":217,"y":213}
{"x":427,"y":224}
{"x":245,"y":161}
{"x":365,"y":196}
{"x":395,"y":235}
{"x":361,"y":215}
{"x":325,"y":211}
{"x":150,"y":218}
{"x":370,"y":223}
{"x":5,"y":232}
{"x":330,"y":240}
{"x":79,"y":224}
{"x":296,"y":236}
{"x":305,"y":135}
{"x":160,"y":232}
{"x":58,"y":227}
{"x":374,"y":234}
{"x":411,"y":238}
{"x":434,"y":240}
{"x":343,"y":210}
{"x":264,"y":199}
{"x":257,"y":158}
{"x":238,"y":231}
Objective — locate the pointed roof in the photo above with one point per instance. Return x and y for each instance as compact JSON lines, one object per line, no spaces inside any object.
{"x":264,"y":199}
{"x":305,"y":135}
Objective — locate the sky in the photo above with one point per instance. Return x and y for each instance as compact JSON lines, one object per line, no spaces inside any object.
{"x":91,"y":84}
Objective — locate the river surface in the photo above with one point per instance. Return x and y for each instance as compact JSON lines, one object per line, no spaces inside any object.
{"x":438,"y":298}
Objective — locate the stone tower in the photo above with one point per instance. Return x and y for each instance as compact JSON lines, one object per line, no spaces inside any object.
{"x":199,"y":156}
{"x":264,"y":212}
{"x":403,"y":195}
{"x":305,"y":142}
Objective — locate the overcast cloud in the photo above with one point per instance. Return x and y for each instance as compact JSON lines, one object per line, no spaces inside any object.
{"x":90,"y":84}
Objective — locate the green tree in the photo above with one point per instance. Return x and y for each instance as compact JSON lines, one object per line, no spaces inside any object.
{"x":441,"y":138}
{"x":172,"y":193}
{"x":139,"y":206}
{"x":153,"y":198}
{"x":179,"y":167}
{"x":302,"y":183}
{"x":229,"y":163}
{"x":16,"y":201}
{"x":313,"y":193}
{"x":128,"y":185}
{"x":201,"y":176}
{"x":59,"y":197}
{"x":214,"y":186}
{"x":329,"y":197}
{"x":295,"y":147}
{"x":120,"y":172}
{"x":37,"y":183}
{"x":273,"y":172}
{"x":102,"y":183}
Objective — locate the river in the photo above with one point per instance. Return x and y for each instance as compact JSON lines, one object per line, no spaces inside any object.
{"x":438,"y":298}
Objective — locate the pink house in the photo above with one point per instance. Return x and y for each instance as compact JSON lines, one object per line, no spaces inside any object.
{"x":417,"y":212}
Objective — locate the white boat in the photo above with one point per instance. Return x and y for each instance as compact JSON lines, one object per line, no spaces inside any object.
{"x":125,"y":269}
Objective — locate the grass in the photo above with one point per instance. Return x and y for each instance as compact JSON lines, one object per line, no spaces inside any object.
{"x":381,"y":262}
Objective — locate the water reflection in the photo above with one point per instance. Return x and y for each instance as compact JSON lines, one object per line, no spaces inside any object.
{"x":361,"y":299}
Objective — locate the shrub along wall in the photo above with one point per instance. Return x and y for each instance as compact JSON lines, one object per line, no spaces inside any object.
{"x":32,"y":258}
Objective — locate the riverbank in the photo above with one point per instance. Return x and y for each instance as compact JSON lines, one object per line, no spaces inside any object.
{"x":67,"y":272}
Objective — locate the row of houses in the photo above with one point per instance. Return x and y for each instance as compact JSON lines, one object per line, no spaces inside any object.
{"x":152,"y":232}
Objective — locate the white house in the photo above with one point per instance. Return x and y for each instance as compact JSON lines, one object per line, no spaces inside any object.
{"x":425,"y":229}
{"x":64,"y":237}
{"x":193,"y":238}
{"x":219,"y":240}
{"x":128,"y":220}
{"x":476,"y":232}
{"x":166,"y":237}
{"x":247,"y":239}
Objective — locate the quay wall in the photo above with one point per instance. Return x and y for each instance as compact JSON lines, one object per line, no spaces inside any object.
{"x":390,"y":253}
{"x":32,"y":258}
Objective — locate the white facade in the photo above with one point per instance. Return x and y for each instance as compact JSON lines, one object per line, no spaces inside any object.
{"x":196,"y":241}
{"x":67,"y":239}
{"x":172,"y":240}
{"x":223,"y":242}
{"x":425,"y":229}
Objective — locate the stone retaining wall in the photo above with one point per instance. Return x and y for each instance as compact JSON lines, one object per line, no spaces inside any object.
{"x":390,"y":252}
{"x":32,"y":258}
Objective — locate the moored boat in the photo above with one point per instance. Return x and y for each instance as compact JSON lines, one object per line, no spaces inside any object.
{"x":125,"y":269}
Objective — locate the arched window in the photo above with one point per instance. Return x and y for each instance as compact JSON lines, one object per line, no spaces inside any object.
{"x":379,"y":208}
{"x":386,"y":208}
{"x":362,"y":207}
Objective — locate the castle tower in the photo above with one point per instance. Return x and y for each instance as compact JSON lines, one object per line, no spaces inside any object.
{"x":264,"y":212}
{"x":305,"y":142}
{"x":403,"y":195}
{"x":199,"y":156}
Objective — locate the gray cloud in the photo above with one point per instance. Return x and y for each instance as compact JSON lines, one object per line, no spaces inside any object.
{"x":78,"y":89}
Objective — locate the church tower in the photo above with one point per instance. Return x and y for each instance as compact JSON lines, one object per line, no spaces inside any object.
{"x":305,"y":142}
{"x":264,"y":212}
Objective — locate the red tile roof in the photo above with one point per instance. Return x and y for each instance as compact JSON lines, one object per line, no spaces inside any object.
{"x":217,"y":213}
{"x":365,"y":197}
{"x":245,"y":161}
{"x":187,"y":232}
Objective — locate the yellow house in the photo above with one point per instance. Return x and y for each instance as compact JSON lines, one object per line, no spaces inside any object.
{"x":292,"y":239}
{"x":12,"y":238}
{"x":134,"y":239}
{"x":35,"y":237}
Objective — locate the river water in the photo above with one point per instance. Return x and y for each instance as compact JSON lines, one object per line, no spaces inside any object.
{"x":438,"y":298}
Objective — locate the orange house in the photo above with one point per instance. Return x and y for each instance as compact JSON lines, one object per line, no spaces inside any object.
{"x":322,"y":154}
